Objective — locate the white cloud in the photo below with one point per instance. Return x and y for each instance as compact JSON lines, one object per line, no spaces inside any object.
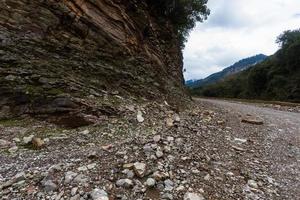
{"x":237,"y":29}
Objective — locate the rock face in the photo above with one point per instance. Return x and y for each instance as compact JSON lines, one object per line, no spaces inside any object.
{"x":54,"y":53}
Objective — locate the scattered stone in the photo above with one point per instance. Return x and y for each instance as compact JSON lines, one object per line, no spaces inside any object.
{"x":49,"y":186}
{"x":82,"y":168}
{"x":140,"y":117}
{"x":107,"y":147}
{"x":252,"y":120}
{"x":167,"y":196}
{"x":238,"y":148}
{"x":17,"y":178}
{"x":126,"y":183}
{"x":75,"y":197}
{"x":74,"y":191}
{"x":28,"y":140}
{"x":91,"y":166}
{"x":98,"y":194}
{"x":169,"y":122}
{"x":128,"y":166}
{"x":168,"y":185}
{"x":82,"y":179}
{"x":37,"y":143}
{"x":4,"y":143}
{"x":252,"y":184}
{"x":55,"y":168}
{"x":139,"y":169}
{"x":85,"y":132}
{"x":156,"y":138}
{"x":13,"y":149}
{"x":10,"y":77}
{"x":207,"y":177}
{"x":130,"y":174}
{"x":176,"y":118}
{"x":147,"y":148}
{"x":92,"y":155}
{"x":221,"y":122}
{"x":180,"y":188}
{"x":170,"y":139}
{"x":150,"y":182}
{"x":159,"y":154}
{"x":59,"y":196}
{"x":239,"y":140}
{"x":193,"y":196}
{"x":69,"y":176}
{"x":17,"y":140}
{"x":158,"y":176}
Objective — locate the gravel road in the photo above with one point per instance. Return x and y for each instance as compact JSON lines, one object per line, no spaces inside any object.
{"x":204,"y":151}
{"x":279,"y":140}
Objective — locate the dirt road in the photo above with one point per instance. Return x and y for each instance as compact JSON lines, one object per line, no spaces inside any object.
{"x":279,"y":140}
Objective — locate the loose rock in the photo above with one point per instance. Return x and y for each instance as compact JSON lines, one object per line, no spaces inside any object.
{"x":193,"y":196}
{"x":49,"y":186}
{"x":139,"y":169}
{"x":150,"y":182}
{"x":98,"y":194}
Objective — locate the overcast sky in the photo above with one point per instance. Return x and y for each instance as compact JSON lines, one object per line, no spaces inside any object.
{"x":237,"y":29}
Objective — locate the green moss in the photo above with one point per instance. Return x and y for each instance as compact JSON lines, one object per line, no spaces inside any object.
{"x":12,"y":122}
{"x":55,"y":91}
{"x":34,"y":90}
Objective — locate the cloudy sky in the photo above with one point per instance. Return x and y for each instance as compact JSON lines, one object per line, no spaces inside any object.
{"x":237,"y":29}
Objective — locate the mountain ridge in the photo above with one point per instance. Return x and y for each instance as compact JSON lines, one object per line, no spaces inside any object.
{"x":241,"y":65}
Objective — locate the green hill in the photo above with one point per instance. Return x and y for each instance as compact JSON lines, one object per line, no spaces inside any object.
{"x":277,"y":78}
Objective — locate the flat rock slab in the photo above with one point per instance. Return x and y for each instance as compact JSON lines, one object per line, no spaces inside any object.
{"x":252,"y":120}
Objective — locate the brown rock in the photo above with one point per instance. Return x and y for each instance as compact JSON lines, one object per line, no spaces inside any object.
{"x":37,"y":143}
{"x":252,"y":120}
{"x":170,"y":122}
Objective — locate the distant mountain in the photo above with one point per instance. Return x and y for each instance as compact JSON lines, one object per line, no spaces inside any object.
{"x":233,"y":69}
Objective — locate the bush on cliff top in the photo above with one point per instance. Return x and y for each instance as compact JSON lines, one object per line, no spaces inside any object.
{"x":182,"y":13}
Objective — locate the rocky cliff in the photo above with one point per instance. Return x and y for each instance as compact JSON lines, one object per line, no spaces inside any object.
{"x":56,"y":53}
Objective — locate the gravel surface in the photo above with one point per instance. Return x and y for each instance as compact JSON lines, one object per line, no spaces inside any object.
{"x":155,"y":152}
{"x":281,"y":142}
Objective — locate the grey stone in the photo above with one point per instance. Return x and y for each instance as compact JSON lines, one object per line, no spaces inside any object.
{"x":140,"y":117}
{"x":193,"y":196}
{"x":150,"y":182}
{"x":169,"y":185}
{"x":167,"y":196}
{"x":98,"y":194}
{"x":69,"y":176}
{"x":4,"y":143}
{"x":81,"y":179}
{"x":28,"y":140}
{"x":17,"y":178}
{"x":252,"y":184}
{"x":49,"y":186}
{"x":139,"y":169}
{"x":156,"y":138}
{"x":159,"y":154}
{"x":126,"y":183}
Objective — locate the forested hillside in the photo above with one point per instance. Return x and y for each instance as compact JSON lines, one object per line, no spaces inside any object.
{"x":277,"y":78}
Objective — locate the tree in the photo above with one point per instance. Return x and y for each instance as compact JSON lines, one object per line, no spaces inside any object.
{"x":183,"y":14}
{"x":288,"y":37}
